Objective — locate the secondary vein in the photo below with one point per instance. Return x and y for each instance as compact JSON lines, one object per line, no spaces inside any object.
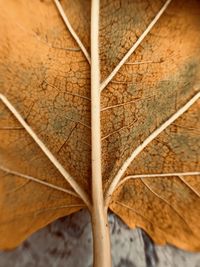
{"x":36,"y":180}
{"x":148,"y":140}
{"x":134,"y":47}
{"x":77,"y":188}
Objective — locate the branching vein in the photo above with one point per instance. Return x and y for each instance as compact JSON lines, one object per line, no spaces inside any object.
{"x":134,"y":47}
{"x":73,"y":33}
{"x":77,"y":188}
{"x":188,"y":185}
{"x":138,"y":213}
{"x":158,"y":175}
{"x":148,"y":140}
{"x":36,"y":180}
{"x":167,"y":203}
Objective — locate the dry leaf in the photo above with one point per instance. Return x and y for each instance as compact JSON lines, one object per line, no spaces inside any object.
{"x":149,"y":56}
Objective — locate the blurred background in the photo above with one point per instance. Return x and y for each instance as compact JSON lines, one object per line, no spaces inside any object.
{"x":68,"y":243}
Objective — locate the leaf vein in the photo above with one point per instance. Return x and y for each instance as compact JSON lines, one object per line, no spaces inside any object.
{"x":79,"y":190}
{"x":133,"y":48}
{"x":148,"y":140}
{"x":36,"y":180}
{"x":71,"y":30}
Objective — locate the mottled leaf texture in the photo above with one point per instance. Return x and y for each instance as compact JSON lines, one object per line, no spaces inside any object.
{"x":149,"y":115}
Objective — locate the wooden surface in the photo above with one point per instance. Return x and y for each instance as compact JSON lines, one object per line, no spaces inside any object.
{"x":68,"y":243}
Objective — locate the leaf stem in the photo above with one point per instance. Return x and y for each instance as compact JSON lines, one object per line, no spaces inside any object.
{"x":101,"y":239}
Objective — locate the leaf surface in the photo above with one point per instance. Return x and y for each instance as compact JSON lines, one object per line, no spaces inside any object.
{"x":45,"y":75}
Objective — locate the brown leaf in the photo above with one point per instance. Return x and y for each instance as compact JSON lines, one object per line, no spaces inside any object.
{"x":39,"y":58}
{"x":149,"y":59}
